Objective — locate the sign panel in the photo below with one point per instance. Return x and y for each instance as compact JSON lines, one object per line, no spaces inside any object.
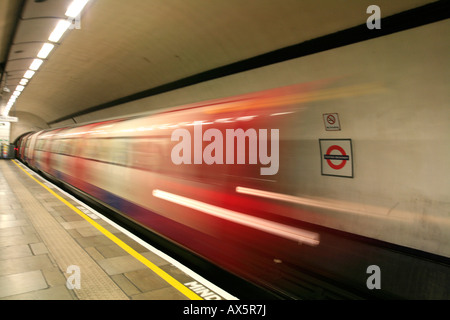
{"x":8,"y":118}
{"x":331,"y":121}
{"x":336,"y":156}
{"x":4,"y":132}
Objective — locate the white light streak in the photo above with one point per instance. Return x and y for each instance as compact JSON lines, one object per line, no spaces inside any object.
{"x":277,"y":196}
{"x":268,"y":226}
{"x":281,"y":113}
{"x":199,"y":122}
{"x":246,"y":118}
{"x":225,"y":120}
{"x":325,"y":204}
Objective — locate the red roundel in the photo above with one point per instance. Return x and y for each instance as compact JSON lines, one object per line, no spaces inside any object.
{"x":344,"y":160}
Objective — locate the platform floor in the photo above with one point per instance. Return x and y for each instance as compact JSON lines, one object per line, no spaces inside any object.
{"x":54,"y":247}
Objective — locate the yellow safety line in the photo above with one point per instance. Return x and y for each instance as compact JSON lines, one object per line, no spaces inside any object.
{"x":164,"y":275}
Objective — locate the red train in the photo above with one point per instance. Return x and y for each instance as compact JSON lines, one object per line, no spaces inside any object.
{"x":243,"y":183}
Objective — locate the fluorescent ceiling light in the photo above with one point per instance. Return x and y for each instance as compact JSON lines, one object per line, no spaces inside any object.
{"x":16,"y":93}
{"x":20,"y":88}
{"x":23,"y":82}
{"x":46,"y":48}
{"x":36,"y":64}
{"x":59,"y":30}
{"x":75,"y":8}
{"x":6,"y":111}
{"x":29,"y":74}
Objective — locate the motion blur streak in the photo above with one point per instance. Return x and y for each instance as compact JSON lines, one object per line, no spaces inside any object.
{"x":278,"y":229}
{"x":309,"y":95}
{"x":345,"y":207}
{"x":276,"y":196}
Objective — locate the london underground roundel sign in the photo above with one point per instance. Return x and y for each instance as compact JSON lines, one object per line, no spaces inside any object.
{"x":336,"y":157}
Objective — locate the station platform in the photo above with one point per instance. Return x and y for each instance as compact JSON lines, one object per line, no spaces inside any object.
{"x":53,"y":247}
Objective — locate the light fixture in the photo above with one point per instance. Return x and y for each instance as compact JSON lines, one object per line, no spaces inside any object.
{"x":6,"y":110}
{"x":45,"y":50}
{"x":29,"y":74}
{"x":75,"y":8}
{"x":59,"y":30}
{"x":73,"y":11}
{"x":36,"y":64}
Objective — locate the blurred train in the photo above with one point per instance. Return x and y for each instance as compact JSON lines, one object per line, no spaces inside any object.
{"x":331,"y":204}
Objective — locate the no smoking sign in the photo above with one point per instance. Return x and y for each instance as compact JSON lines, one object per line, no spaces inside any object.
{"x":336,"y":157}
{"x":331,"y":121}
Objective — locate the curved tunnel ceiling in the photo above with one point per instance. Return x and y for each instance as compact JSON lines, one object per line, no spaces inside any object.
{"x":125,"y":47}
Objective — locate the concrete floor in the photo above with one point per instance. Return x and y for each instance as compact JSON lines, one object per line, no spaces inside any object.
{"x":47,"y":249}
